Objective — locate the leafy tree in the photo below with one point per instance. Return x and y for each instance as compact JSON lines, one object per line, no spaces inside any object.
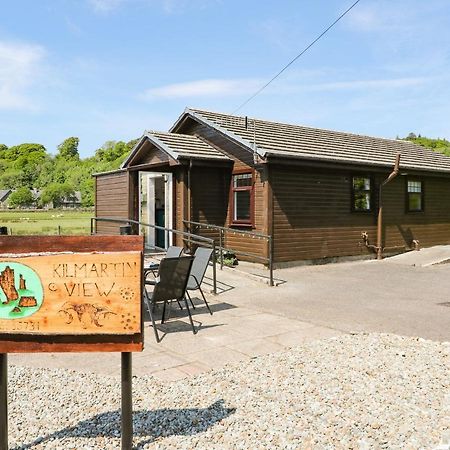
{"x":55,"y":193}
{"x":21,"y":197}
{"x":29,"y":165}
{"x":438,"y":145}
{"x":13,"y":153}
{"x":69,"y":148}
{"x":112,"y":151}
{"x":11,"y":178}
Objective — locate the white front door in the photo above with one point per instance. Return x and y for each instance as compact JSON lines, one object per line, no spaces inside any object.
{"x":156,"y":207}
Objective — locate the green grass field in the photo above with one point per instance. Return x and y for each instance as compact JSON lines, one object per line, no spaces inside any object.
{"x":52,"y":222}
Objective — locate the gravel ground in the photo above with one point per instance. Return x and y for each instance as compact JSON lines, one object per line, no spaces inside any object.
{"x":355,"y":391}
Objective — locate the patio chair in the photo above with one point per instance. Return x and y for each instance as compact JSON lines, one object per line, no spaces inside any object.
{"x":172,"y":252}
{"x":198,"y":270}
{"x":171,"y":285}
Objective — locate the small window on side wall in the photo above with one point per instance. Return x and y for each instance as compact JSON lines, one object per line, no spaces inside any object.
{"x":242,"y":199}
{"x":414,"y":201}
{"x":361,"y":194}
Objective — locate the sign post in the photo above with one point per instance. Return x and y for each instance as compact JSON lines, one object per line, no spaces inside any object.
{"x":127,"y":402}
{"x":3,"y":401}
{"x":71,"y":294}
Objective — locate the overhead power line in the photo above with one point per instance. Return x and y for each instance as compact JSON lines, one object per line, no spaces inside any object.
{"x":297,"y":57}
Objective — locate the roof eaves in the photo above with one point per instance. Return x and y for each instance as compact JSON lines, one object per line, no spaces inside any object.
{"x":133,"y":152}
{"x":180,"y":119}
{"x":161,"y":145}
{"x":109,"y":172}
{"x":356,"y":161}
{"x":237,"y":139}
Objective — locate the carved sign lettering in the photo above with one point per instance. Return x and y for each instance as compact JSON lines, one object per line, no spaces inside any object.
{"x":71,"y":294}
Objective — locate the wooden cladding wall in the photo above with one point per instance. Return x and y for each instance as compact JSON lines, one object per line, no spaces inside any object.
{"x":312,"y":217}
{"x":220,"y":186}
{"x":112,"y":199}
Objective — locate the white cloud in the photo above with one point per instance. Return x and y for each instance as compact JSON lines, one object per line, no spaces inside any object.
{"x":20,"y":64}
{"x":104,"y":6}
{"x":369,"y":84}
{"x":204,"y":88}
{"x":364,"y":19}
{"x":168,"y":6}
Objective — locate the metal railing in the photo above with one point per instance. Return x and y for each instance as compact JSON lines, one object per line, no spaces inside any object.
{"x":187,"y":236}
{"x":221,"y":243}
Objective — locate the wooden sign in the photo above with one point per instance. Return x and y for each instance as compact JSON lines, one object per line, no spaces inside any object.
{"x":71,"y":293}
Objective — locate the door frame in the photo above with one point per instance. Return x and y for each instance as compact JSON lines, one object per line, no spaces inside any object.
{"x":150,"y":234}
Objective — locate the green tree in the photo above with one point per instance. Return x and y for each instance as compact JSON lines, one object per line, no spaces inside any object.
{"x":69,"y":148}
{"x":55,"y":193}
{"x":11,"y":178}
{"x":13,"y":153}
{"x":21,"y":197}
{"x":438,"y":145}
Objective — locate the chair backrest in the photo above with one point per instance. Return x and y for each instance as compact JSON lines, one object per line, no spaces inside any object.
{"x":201,"y":260}
{"x":174,"y":252}
{"x":173,"y":277}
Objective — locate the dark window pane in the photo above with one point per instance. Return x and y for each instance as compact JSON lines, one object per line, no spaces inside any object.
{"x":361,"y":193}
{"x":361,"y":184}
{"x":242,"y":180}
{"x":362,"y":201}
{"x":241,"y":205}
{"x":415,"y":201}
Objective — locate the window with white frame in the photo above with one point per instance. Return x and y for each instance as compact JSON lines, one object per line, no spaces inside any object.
{"x":414,"y":195}
{"x":242,"y":198}
{"x":361,"y":194}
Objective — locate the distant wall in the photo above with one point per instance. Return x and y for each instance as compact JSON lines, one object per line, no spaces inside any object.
{"x":112,"y":199}
{"x":312,"y":216}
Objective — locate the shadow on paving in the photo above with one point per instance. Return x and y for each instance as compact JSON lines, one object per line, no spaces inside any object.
{"x":221,"y":286}
{"x":149,"y":425}
{"x":173,"y":324}
{"x":174,"y":310}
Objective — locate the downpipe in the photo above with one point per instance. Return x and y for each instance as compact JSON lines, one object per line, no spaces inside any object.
{"x":392,"y":175}
{"x":365,"y":238}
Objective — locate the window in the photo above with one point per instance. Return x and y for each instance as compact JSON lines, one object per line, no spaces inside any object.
{"x":242,"y":198}
{"x":361,"y":194}
{"x":414,"y":196}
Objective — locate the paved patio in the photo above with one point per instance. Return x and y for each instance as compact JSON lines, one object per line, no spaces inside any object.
{"x":233,"y":333}
{"x":312,"y":302}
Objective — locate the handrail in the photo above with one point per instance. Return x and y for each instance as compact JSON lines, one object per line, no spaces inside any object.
{"x":221,"y":247}
{"x":217,"y":227}
{"x":195,"y":238}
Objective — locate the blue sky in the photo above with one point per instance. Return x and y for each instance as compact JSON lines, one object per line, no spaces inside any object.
{"x":109,"y":69}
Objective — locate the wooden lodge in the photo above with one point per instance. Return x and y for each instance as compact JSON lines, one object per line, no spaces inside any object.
{"x":315,"y":191}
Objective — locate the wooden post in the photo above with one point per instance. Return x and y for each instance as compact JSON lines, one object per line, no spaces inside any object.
{"x":3,"y":401}
{"x":127,"y":404}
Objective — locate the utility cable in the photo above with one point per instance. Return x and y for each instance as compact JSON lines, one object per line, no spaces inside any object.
{"x":297,"y":57}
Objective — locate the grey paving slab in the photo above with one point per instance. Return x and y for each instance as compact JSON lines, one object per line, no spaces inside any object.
{"x":313,"y":302}
{"x":425,"y":257}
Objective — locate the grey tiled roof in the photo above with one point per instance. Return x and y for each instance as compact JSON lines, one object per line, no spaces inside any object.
{"x":185,"y":146}
{"x":4,"y":193}
{"x":295,"y":141}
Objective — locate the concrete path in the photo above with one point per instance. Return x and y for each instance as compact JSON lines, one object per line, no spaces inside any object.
{"x":233,"y":333}
{"x":311,"y":302}
{"x":365,"y":296}
{"x":425,"y":257}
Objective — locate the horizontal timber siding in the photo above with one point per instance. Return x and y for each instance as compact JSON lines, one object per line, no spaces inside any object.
{"x":312,"y":217}
{"x":112,"y":199}
{"x":212,"y":193}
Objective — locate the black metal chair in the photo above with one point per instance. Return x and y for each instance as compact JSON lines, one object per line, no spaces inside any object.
{"x":201,"y":260}
{"x":170,"y":285}
{"x":172,"y":252}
